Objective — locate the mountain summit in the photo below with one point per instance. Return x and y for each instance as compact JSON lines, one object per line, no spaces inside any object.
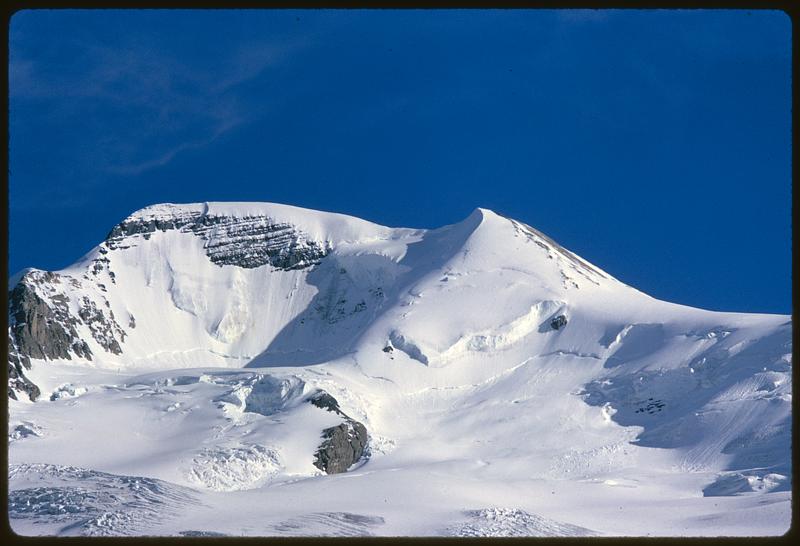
{"x":483,"y":346}
{"x":240,"y":283}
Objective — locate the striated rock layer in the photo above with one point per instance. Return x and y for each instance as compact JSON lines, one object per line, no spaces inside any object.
{"x":66,"y":316}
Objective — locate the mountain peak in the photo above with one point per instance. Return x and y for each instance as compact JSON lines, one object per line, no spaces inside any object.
{"x":481,"y":214}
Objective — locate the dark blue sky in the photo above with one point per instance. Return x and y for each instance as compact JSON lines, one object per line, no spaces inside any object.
{"x":655,"y":144}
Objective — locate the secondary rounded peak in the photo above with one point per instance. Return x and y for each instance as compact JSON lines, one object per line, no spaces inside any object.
{"x":482,"y":213}
{"x":487,"y":231}
{"x":479,"y":216}
{"x":487,"y":222}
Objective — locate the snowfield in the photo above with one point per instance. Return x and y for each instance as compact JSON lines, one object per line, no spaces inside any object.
{"x":507,"y":387}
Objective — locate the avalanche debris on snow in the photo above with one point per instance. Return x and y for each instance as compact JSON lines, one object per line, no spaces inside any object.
{"x":235,"y":468}
{"x":68,"y":390}
{"x":24,"y":430}
{"x":738,"y":483}
{"x":335,"y":524}
{"x":513,"y":522}
{"x":77,"y":501}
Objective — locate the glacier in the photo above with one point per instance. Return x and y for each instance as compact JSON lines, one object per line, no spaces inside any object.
{"x":262,"y":369}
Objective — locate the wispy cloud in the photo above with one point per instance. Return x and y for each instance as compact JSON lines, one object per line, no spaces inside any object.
{"x":168,"y":104}
{"x":169,"y":154}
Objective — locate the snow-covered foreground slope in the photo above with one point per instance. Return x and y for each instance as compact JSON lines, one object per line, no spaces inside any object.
{"x":506,"y":387}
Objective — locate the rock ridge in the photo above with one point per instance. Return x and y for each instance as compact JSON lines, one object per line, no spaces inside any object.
{"x":248,"y":242}
{"x":343,"y":445}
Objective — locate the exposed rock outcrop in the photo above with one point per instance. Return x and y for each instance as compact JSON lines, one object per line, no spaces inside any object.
{"x":244,"y":242}
{"x":323,"y":400}
{"x":105,"y":330}
{"x":342,"y":445}
{"x":253,"y":242}
{"x":47,"y":313}
{"x":17,"y":382}
{"x":43,"y":325}
{"x":558,"y":322}
{"x":41,"y":329}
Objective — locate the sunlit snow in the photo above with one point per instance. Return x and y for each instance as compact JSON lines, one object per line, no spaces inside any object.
{"x":633,"y":417}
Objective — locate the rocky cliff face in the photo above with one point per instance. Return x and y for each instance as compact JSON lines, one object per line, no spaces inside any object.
{"x":52,"y":315}
{"x":40,"y":322}
{"x":41,"y":326}
{"x":17,"y":381}
{"x":247,"y":242}
{"x":342,"y":445}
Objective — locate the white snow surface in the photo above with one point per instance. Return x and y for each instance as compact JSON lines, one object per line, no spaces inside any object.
{"x":637,"y":417}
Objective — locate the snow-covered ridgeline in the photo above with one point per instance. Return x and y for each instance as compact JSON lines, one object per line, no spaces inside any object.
{"x":480,"y":349}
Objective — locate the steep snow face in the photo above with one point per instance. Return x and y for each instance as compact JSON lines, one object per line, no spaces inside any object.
{"x":490,"y":368}
{"x":182,"y":285}
{"x":266,"y":284}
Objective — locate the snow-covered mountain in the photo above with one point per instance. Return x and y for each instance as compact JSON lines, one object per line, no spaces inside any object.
{"x":503,"y":383}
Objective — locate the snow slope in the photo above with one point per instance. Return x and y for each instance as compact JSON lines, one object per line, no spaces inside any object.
{"x":487,"y":413}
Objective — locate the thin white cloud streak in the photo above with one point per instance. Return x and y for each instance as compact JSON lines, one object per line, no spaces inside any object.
{"x":169,"y":155}
{"x":165,"y":97}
